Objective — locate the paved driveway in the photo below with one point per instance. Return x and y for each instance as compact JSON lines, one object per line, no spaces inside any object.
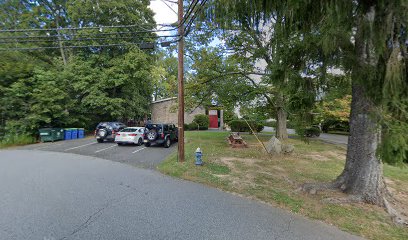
{"x":52,"y":195}
{"x":138,"y":156}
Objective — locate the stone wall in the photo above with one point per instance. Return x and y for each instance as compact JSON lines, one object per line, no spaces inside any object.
{"x":165,"y":111}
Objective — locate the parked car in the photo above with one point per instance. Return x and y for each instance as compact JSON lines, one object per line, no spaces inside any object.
{"x":130,"y":135}
{"x":107,"y":131}
{"x":160,"y":133}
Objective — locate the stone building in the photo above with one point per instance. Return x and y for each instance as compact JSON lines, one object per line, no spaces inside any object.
{"x":165,"y":111}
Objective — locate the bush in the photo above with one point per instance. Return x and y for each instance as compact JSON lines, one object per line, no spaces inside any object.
{"x":312,"y":132}
{"x":335,"y":125}
{"x":186,"y":127}
{"x":270,"y":124}
{"x":194,"y":126}
{"x":13,"y":140}
{"x":202,"y":120}
{"x":242,"y":126}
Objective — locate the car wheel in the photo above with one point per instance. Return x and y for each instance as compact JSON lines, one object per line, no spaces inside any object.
{"x":103,"y":132}
{"x":99,"y":140}
{"x":147,"y":144}
{"x":140,"y":142}
{"x":167,"y":143}
{"x":152,"y":135}
{"x":120,"y":144}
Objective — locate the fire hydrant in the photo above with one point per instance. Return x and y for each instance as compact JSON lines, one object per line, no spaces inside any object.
{"x":198,"y":154}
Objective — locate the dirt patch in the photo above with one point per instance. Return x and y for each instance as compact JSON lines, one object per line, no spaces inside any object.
{"x":400,"y":196}
{"x":229,"y":161}
{"x":338,"y":155}
{"x":317,"y":156}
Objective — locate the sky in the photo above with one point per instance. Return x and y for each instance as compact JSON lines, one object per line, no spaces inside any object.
{"x":163,"y":14}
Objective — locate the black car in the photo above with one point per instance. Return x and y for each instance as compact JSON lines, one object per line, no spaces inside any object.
{"x":107,"y":131}
{"x":160,"y":133}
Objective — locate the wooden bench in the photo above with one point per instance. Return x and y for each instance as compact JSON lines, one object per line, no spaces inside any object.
{"x":235,"y":140}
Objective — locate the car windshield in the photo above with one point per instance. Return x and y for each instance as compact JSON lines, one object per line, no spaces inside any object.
{"x":129,"y":130}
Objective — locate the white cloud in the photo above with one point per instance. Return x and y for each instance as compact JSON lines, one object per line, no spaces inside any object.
{"x":163,"y":14}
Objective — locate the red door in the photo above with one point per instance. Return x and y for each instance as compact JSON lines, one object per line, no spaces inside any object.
{"x":213,"y":118}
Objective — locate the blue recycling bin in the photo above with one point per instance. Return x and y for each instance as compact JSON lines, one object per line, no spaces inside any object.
{"x":74,"y":132}
{"x":81,"y":133}
{"x":67,"y":134}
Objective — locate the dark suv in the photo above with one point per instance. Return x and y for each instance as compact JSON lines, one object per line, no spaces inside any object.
{"x":107,"y":131}
{"x":160,"y":133}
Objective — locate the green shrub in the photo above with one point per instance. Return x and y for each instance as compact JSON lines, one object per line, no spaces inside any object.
{"x":312,"y":132}
{"x":186,"y":127}
{"x":13,"y":140}
{"x":242,"y":126}
{"x":270,"y":124}
{"x":335,"y":125}
{"x":202,"y":120}
{"x":193,"y":126}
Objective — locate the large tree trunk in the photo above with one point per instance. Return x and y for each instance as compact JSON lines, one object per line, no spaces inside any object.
{"x":363,"y":174}
{"x":281,"y":132}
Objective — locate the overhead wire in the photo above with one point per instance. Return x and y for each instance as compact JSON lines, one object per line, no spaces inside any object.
{"x":192,"y":11}
{"x":81,"y":28}
{"x":148,"y":46}
{"x":78,"y":39}
{"x":188,"y":13}
{"x":188,"y":26}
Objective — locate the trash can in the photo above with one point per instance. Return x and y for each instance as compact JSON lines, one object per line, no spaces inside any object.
{"x":51,"y":134}
{"x":74,"y":133}
{"x":60,"y":133}
{"x":67,"y":134}
{"x":81,"y":133}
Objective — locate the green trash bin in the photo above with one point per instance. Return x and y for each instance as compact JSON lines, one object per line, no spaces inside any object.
{"x":51,"y":134}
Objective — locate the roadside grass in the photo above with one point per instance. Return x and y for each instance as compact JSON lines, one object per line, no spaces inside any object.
{"x":275,"y":180}
{"x":17,"y":140}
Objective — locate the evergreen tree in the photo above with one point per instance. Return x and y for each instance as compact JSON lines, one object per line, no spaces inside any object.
{"x":369,"y":39}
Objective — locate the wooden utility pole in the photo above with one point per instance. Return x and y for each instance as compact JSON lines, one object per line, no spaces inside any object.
{"x":180,"y":77}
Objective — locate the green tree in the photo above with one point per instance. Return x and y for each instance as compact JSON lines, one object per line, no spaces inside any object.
{"x":377,"y":61}
{"x":79,"y":86}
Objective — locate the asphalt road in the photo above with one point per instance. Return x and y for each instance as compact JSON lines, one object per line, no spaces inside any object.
{"x":334,"y":138}
{"x":52,"y":195}
{"x":326,"y":137}
{"x":138,"y":156}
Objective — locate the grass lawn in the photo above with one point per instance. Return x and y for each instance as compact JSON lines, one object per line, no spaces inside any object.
{"x":275,"y":180}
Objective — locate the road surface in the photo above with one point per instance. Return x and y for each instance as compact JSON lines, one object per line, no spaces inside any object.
{"x":55,"y":196}
{"x":327,"y":137}
{"x":138,"y":156}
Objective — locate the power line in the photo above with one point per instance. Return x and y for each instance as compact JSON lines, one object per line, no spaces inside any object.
{"x":190,"y":9}
{"x":83,"y":28}
{"x":169,"y":6}
{"x":73,"y":35}
{"x":77,"y":39}
{"x":188,"y":26}
{"x":142,"y":45}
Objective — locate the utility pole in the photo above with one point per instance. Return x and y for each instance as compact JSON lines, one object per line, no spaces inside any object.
{"x":180,"y":77}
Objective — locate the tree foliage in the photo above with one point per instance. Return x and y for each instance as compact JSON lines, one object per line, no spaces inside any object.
{"x":92,"y":84}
